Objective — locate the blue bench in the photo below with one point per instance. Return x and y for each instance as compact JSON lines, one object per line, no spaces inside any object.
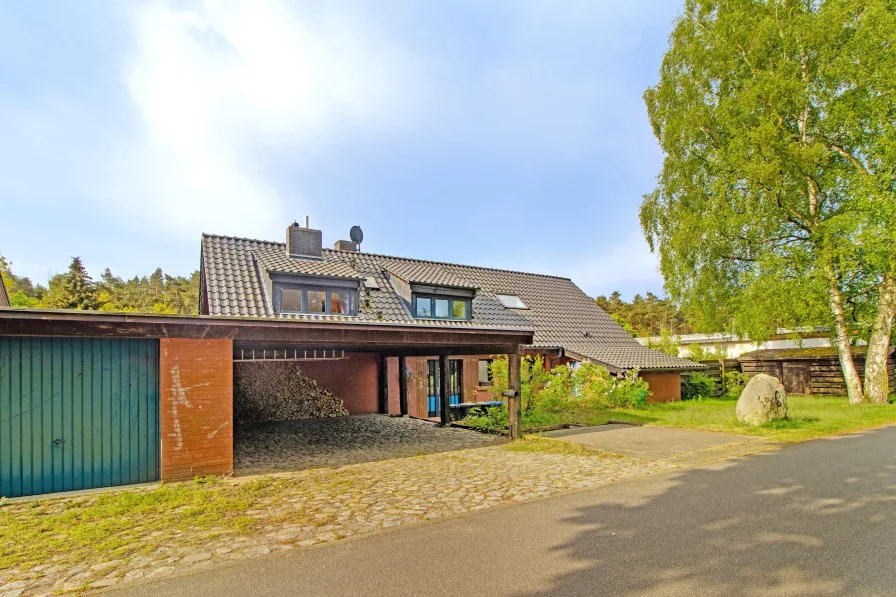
{"x":461,"y":410}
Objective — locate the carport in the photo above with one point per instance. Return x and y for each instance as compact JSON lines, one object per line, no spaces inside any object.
{"x":159,"y":402}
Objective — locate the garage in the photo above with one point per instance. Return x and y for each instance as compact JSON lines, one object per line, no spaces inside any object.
{"x":93,"y":399}
{"x":77,"y":413}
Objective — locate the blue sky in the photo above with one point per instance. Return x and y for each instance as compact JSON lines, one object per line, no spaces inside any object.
{"x":507,"y":134}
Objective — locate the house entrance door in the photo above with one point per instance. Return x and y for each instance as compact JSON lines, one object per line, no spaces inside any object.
{"x":433,"y":386}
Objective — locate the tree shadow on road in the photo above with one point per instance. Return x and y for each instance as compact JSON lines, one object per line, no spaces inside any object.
{"x":813,"y":519}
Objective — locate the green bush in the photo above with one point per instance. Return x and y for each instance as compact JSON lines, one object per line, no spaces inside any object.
{"x":551,"y":397}
{"x":734,"y":383}
{"x":698,"y":386}
{"x":595,"y":387}
{"x":495,"y":419}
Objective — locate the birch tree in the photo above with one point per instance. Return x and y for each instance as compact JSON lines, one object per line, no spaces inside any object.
{"x":775,"y":203}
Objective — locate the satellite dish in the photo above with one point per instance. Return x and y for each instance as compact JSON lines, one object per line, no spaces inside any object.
{"x":356,"y":235}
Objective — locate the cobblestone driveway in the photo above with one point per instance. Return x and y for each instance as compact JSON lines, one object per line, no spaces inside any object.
{"x":299,"y":445}
{"x":323,"y":505}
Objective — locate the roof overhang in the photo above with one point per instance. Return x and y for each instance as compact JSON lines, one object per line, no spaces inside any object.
{"x":381,"y":337}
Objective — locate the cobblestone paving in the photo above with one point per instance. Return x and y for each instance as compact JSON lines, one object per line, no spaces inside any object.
{"x":325,"y":505}
{"x":299,"y":445}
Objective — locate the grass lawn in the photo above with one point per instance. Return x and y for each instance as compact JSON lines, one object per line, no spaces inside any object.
{"x":808,"y":417}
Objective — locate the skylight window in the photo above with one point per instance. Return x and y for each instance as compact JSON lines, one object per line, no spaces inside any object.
{"x":511,"y":301}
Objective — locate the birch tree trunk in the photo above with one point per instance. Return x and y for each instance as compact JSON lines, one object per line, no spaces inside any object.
{"x":877,"y":386}
{"x":847,"y":364}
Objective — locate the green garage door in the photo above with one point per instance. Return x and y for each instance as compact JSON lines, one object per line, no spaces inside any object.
{"x":77,"y":413}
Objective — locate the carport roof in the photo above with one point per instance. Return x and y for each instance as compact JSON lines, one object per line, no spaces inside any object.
{"x":387,"y":337}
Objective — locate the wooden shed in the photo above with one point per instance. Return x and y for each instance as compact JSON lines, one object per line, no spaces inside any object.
{"x":808,"y":370}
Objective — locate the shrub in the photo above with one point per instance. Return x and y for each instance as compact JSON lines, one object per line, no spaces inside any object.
{"x":734,"y":383}
{"x":533,"y":379}
{"x":699,"y":385}
{"x":629,"y":391}
{"x":493,"y":420}
{"x":596,"y":388}
{"x":557,"y":395}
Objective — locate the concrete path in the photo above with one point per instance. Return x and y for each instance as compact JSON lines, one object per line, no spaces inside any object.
{"x":814,"y":519}
{"x":679,"y":446}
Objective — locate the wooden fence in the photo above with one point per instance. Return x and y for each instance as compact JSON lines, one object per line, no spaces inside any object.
{"x":715,"y":370}
{"x":807,"y":372}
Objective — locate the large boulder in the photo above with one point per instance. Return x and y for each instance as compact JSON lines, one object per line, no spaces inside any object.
{"x":762,"y":400}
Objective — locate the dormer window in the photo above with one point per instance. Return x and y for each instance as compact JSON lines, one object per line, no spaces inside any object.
{"x":433,"y":302}
{"x":511,"y":301}
{"x":319,"y":296}
{"x":437,"y":307}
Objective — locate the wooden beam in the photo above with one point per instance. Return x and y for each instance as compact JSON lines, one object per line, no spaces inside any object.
{"x":403,"y":386}
{"x":443,"y":390}
{"x":384,"y":386}
{"x":514,"y":404}
{"x":247,"y":331}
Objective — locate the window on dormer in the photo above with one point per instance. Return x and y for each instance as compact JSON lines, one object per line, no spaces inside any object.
{"x":441,"y":302}
{"x":438,"y":307}
{"x":315,"y":296}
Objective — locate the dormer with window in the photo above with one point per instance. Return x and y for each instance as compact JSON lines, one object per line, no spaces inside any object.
{"x":434,"y":302}
{"x":293,"y":294}
{"x":299,"y":281}
{"x":432,"y":292}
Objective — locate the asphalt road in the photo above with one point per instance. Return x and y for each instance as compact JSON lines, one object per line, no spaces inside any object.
{"x":813,"y":519}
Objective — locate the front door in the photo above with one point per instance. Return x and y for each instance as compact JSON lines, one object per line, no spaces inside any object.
{"x":434,"y":386}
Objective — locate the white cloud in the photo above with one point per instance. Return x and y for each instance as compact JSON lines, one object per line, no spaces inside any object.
{"x":216,"y":81}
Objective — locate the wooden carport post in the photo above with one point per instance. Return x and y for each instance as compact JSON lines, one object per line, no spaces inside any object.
{"x":443,"y":390}
{"x":514,"y":403}
{"x":383,"y":379}
{"x":403,"y":385}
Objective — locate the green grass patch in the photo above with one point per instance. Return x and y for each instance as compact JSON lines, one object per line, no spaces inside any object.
{"x":113,"y":523}
{"x":544,"y":445}
{"x":808,"y":417}
{"x":119,"y":524}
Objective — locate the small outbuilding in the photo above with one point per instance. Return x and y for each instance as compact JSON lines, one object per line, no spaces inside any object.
{"x":814,"y":371}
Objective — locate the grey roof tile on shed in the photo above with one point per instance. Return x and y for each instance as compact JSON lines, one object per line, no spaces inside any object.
{"x":560,"y":313}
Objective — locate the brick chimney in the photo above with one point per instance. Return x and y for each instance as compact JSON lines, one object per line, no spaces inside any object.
{"x":345,"y":245}
{"x":304,"y":242}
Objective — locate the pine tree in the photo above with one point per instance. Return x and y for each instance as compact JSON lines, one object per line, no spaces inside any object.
{"x":72,"y":290}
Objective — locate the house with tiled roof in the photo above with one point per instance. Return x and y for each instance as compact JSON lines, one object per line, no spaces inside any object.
{"x":285,"y":331}
{"x":300,"y":280}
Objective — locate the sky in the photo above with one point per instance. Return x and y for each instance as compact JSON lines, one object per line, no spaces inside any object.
{"x":508,"y":134}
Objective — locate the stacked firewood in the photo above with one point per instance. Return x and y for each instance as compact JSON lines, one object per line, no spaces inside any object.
{"x":278,"y":391}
